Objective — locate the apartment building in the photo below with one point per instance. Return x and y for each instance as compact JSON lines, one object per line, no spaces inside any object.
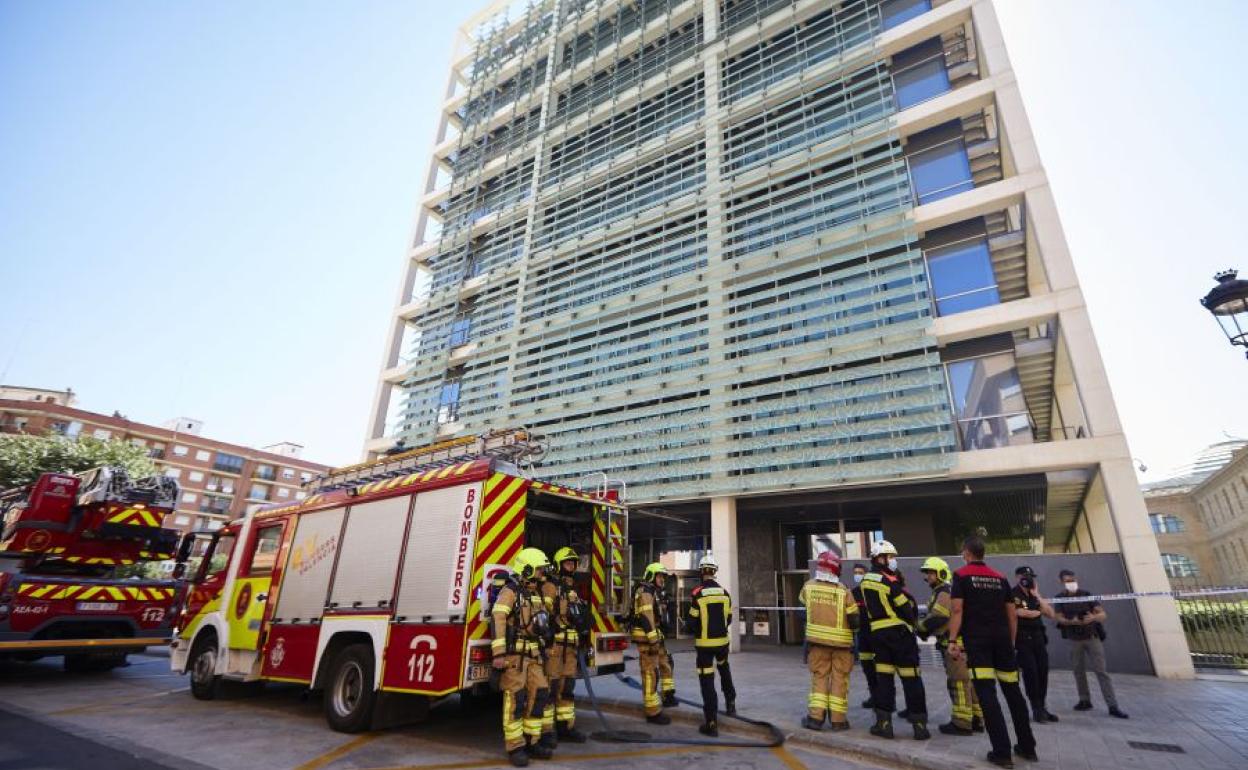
{"x":790,"y":271}
{"x":218,"y":480}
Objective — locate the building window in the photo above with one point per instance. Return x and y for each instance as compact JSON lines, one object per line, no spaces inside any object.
{"x":228,"y":463}
{"x":138,"y":442}
{"x":189,"y":497}
{"x":894,"y":12}
{"x":919,"y":74}
{"x":157,"y":450}
{"x":301,"y":495}
{"x":259,"y":492}
{"x":101,"y":434}
{"x":173,"y":473}
{"x":202,"y":455}
{"x":460,"y":330}
{"x":305,"y":477}
{"x":59,"y":428}
{"x":1165,"y":523}
{"x":195,"y":476}
{"x":181,"y":520}
{"x":988,"y":402}
{"x":180,"y":450}
{"x":1179,"y":566}
{"x":962,"y":277}
{"x":288,"y":473}
{"x":448,"y":403}
{"x":74,"y":429}
{"x":940,"y":171}
{"x":266,"y":472}
{"x":283,"y":492}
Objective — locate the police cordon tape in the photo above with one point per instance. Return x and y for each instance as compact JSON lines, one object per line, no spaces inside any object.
{"x":1089,"y":598}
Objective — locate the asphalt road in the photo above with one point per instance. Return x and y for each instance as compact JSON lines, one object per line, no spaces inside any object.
{"x":143,"y":718}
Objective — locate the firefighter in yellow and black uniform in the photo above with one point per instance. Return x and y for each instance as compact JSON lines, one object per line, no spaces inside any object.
{"x":964,"y":708}
{"x":520,"y":625}
{"x":649,"y":615}
{"x":892,"y":613}
{"x":710,"y":616}
{"x":570,"y":618}
{"x":831,"y":618}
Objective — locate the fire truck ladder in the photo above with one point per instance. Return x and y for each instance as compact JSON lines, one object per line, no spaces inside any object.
{"x":514,"y":446}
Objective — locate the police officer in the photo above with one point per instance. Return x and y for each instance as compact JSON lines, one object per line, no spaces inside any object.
{"x":831,"y":618}
{"x":710,"y":616}
{"x":862,"y":639}
{"x":649,"y":611}
{"x":891,"y":616}
{"x":570,"y":618}
{"x":964,"y":705}
{"x":985,"y":617}
{"x":1032,"y":644}
{"x":520,"y":625}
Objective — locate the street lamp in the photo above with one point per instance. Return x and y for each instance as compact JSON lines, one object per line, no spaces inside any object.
{"x":1228,"y":301}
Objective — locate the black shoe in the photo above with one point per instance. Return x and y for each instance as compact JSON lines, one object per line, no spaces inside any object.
{"x":669,"y":700}
{"x":810,"y":724}
{"x":538,"y":751}
{"x":1029,"y":755}
{"x":1049,"y":716}
{"x":949,"y":728}
{"x":921,"y":733}
{"x":882,"y":729}
{"x":710,"y":728}
{"x":1083,"y":705}
{"x":518,"y":758}
{"x":570,"y":734}
{"x":549,"y":742}
{"x":837,"y":727}
{"x":999,"y":760}
{"x":1117,"y":712}
{"x":659,"y":719}
{"x":869,"y":703}
{"x":977,"y":724}
{"x":1038,"y":717}
{"x":730,"y":708}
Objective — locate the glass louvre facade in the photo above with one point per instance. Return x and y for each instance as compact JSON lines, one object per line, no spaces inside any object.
{"x":694,"y":288}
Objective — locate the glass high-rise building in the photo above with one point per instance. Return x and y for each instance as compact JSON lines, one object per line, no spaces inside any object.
{"x":789,"y":269}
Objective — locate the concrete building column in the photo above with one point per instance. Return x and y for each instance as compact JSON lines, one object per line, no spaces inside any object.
{"x":1163,"y":632}
{"x":724,"y":546}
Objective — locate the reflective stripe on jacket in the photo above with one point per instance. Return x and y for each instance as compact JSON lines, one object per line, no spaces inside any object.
{"x":829,"y":610}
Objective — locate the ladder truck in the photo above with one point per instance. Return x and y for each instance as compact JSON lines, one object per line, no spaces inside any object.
{"x":61,"y":541}
{"x":374,"y":587}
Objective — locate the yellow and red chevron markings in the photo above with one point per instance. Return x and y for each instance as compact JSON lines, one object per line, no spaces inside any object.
{"x":55,"y":591}
{"x":420,"y":477}
{"x":500,"y":530}
{"x":598,"y":567}
{"x":139,"y":517}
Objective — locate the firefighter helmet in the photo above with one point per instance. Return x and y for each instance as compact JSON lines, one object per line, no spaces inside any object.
{"x":708,"y":563}
{"x":528,"y":562}
{"x":652,"y":570}
{"x":828,"y":562}
{"x":882,"y":548}
{"x":937,"y":565}
{"x":566,"y":553}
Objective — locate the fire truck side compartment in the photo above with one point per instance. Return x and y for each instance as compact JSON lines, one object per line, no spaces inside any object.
{"x":305,"y":584}
{"x":430,"y":563}
{"x":369,"y":554}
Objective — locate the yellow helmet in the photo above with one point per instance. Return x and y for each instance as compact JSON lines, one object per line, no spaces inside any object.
{"x":566,"y":553}
{"x":937,"y":565}
{"x":528,"y":562}
{"x":652,"y":570}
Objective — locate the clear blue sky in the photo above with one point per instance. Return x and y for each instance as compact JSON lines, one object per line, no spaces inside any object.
{"x":203,"y":207}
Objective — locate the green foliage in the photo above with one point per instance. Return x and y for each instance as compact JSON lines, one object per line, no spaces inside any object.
{"x":23,"y":458}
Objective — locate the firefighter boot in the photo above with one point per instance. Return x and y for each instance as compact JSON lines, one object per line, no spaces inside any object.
{"x":669,"y":699}
{"x":548,"y":742}
{"x":730,"y":708}
{"x":921,"y":733}
{"x":569,"y":734}
{"x":883,"y":726}
{"x":709,"y":728}
{"x":539,"y":751}
{"x":810,"y":723}
{"x":519,"y":757}
{"x":659,"y":719}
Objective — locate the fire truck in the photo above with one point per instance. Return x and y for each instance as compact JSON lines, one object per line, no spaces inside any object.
{"x":374,"y":588}
{"x":62,"y":540}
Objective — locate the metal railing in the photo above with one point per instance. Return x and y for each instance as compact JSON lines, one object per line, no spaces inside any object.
{"x":1215,"y":624}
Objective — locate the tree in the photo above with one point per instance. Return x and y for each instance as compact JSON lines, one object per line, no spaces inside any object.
{"x":24,"y":457}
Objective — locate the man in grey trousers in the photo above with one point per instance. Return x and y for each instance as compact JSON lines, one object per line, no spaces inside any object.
{"x":1080,"y":623}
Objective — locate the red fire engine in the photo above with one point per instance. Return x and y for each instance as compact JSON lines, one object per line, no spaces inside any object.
{"x":374,"y":587}
{"x":62,"y":539}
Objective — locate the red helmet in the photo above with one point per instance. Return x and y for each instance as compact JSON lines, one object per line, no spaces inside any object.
{"x":829,"y":562}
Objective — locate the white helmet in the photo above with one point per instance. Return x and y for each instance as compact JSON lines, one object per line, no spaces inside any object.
{"x":708,"y":562}
{"x":882,"y":548}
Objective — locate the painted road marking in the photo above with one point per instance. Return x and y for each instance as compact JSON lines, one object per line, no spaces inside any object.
{"x":790,"y":761}
{"x":110,"y":704}
{"x":565,"y":758}
{"x":341,"y":751}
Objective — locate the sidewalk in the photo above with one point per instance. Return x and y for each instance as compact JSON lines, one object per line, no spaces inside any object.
{"x":1207,"y":719}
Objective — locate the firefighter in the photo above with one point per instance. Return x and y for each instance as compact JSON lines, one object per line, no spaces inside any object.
{"x":710,"y":616}
{"x":521,"y":624}
{"x":891,"y":616}
{"x":862,"y":640}
{"x":570,"y":620}
{"x":985,"y":615}
{"x":831,"y":619}
{"x":964,"y":705}
{"x":652,"y":658}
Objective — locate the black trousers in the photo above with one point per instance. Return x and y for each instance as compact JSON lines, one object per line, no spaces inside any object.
{"x":992,"y":661}
{"x":708,"y":659}
{"x":1033,"y":661}
{"x":866,"y":656}
{"x":897,"y":652}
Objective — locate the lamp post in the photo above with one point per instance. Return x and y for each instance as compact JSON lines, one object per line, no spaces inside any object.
{"x":1228,"y":301}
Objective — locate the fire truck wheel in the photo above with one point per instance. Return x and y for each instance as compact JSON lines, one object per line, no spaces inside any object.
{"x":205,"y":684}
{"x":350,"y":697}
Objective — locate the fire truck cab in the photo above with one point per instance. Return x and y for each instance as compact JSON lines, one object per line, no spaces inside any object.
{"x":374,"y":587}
